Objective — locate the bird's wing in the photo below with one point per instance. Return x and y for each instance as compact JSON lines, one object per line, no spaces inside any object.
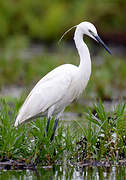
{"x":46,"y":93}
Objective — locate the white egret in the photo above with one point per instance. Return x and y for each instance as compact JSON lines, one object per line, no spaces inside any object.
{"x":61,"y":86}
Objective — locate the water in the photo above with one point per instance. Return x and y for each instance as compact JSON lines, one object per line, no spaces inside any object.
{"x":67,"y":172}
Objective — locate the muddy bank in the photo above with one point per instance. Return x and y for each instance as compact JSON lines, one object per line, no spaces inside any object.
{"x":21,"y":165}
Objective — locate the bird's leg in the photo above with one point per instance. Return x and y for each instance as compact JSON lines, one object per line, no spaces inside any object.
{"x":54,"y":129}
{"x":47,"y":126}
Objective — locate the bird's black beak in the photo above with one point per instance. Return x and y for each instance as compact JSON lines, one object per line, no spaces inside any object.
{"x":103,"y":44}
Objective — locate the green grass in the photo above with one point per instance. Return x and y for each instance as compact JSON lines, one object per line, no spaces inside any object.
{"x":104,"y":138}
{"x":23,"y":143}
{"x":76,"y":142}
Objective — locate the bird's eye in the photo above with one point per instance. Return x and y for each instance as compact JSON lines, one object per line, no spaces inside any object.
{"x":90,"y":31}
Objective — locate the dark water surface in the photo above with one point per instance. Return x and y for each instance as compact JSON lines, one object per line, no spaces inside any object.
{"x":67,"y":172}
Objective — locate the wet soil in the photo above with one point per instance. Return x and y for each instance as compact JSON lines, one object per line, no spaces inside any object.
{"x":20,"y":165}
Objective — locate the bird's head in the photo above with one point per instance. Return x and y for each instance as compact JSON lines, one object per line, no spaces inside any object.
{"x":90,"y":30}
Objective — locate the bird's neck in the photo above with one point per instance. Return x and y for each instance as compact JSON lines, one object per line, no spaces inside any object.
{"x":85,"y":60}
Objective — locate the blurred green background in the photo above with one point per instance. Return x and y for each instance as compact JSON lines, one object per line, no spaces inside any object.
{"x":30,"y":30}
{"x":47,"y":20}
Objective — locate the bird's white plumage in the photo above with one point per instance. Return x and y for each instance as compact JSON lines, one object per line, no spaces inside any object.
{"x":45,"y":95}
{"x":62,"y":85}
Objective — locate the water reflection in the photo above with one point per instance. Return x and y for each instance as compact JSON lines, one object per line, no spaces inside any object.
{"x":67,"y":173}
